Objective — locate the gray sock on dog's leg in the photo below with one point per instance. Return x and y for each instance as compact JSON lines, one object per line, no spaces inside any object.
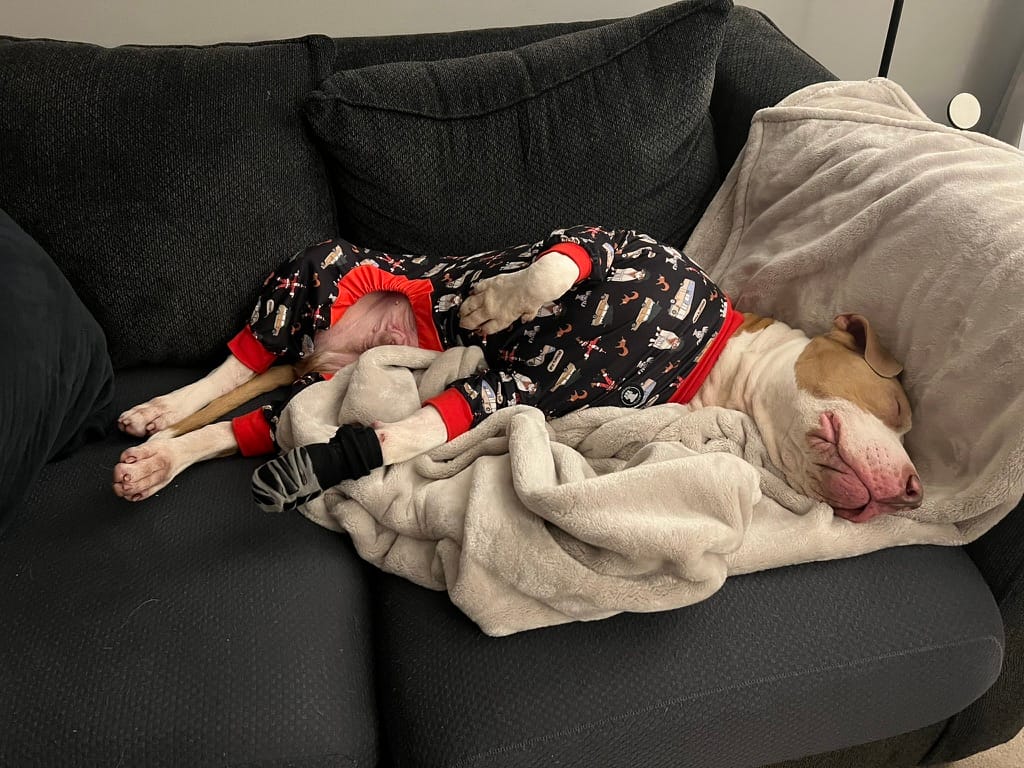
{"x":303,"y":474}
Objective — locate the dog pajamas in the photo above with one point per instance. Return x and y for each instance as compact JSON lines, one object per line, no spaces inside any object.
{"x":642,"y":325}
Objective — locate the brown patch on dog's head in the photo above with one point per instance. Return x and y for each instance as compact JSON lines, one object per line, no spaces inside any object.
{"x":851,"y":363}
{"x":753,"y":323}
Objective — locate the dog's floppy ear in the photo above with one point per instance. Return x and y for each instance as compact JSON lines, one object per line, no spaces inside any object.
{"x":866,"y":342}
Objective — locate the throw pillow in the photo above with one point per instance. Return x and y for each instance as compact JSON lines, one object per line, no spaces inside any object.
{"x":605,"y":125}
{"x":56,"y":383}
{"x":165,"y":182}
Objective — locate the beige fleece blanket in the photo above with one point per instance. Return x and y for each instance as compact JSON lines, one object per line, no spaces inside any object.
{"x":845,"y":198}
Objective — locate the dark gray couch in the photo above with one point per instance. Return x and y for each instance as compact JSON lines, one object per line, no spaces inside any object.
{"x":192,"y":630}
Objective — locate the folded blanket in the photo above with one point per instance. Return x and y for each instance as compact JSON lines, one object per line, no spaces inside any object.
{"x":845,"y":198}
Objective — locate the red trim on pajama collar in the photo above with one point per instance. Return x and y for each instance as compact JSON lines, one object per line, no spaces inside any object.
{"x":689,"y":386}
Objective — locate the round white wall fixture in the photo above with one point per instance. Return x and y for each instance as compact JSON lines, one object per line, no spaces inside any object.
{"x":964,"y":111}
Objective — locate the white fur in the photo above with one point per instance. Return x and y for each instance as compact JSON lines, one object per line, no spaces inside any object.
{"x":145,"y":469}
{"x":756,"y":374}
{"x":153,"y":416}
{"x":405,"y":439}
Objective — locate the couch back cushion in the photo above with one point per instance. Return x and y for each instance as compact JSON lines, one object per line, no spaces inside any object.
{"x":356,"y":52}
{"x":608,"y":124}
{"x":757,"y":68}
{"x":165,"y":182}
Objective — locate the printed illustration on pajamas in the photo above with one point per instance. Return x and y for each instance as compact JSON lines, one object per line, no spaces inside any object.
{"x":635,"y":330}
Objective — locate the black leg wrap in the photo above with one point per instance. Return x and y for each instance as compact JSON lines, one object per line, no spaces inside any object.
{"x":353,"y":452}
{"x":303,"y":474}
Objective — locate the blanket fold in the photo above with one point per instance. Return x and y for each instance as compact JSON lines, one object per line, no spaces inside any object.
{"x":528,"y":523}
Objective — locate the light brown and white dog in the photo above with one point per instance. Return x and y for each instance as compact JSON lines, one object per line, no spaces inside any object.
{"x":830,"y":409}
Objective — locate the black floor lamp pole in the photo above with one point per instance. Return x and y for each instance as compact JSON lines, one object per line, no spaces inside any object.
{"x":890,"y":38}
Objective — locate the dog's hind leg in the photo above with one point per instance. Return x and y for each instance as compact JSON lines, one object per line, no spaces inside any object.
{"x":145,"y":469}
{"x":161,"y":412}
{"x":403,"y":440}
{"x":304,"y":473}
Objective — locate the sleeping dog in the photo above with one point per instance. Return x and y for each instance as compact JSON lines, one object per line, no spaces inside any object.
{"x":585,"y":317}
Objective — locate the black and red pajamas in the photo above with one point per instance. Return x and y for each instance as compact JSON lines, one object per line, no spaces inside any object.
{"x":642,"y":325}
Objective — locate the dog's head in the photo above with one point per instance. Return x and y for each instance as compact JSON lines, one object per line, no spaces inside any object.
{"x":838,"y":425}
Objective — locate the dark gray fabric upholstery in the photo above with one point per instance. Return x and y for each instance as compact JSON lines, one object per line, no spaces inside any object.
{"x":776,"y":665}
{"x":355,"y":52}
{"x":608,"y":124}
{"x":994,"y":718}
{"x":998,"y":716}
{"x":757,"y":68}
{"x":56,"y":382}
{"x":907,"y":749}
{"x":165,"y":182}
{"x":189,"y":630}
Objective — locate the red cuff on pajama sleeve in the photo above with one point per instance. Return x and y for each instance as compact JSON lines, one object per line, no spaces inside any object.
{"x":252,"y":433}
{"x":454,"y":410}
{"x":579,"y":254}
{"x":248,"y":349}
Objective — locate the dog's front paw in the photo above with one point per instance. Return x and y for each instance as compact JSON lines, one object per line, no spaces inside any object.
{"x":145,"y":469}
{"x":497,"y":302}
{"x":155,"y":415}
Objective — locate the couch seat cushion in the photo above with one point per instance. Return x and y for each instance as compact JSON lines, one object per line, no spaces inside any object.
{"x":188,"y":630}
{"x":776,"y":665}
{"x":165,"y":181}
{"x":608,"y":125}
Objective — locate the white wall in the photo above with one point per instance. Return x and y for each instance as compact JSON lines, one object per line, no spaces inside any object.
{"x":110,"y":22}
{"x":943,"y":47}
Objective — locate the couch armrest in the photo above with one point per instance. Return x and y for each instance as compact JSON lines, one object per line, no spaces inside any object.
{"x":999,"y":555}
{"x":998,"y":715}
{"x":757,"y":68}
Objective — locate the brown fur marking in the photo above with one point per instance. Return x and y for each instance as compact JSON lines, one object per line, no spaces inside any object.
{"x":830,"y":368}
{"x":753,"y":323}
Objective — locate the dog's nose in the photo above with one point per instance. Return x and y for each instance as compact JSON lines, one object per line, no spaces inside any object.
{"x":913,"y":491}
